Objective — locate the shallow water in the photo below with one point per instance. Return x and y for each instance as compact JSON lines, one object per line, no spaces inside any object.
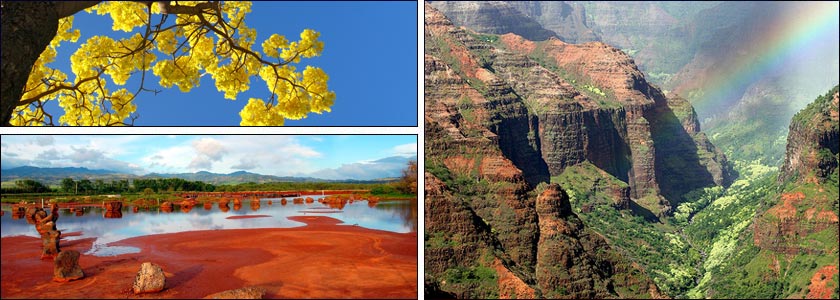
{"x":395,"y":216}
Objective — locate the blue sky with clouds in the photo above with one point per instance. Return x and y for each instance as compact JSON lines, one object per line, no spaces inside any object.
{"x":370,"y":54}
{"x":322,"y":156}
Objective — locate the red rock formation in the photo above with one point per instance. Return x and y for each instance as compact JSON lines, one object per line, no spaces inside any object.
{"x":511,"y":286}
{"x":255,"y":205}
{"x":67,"y":266}
{"x":813,"y":140}
{"x":30,"y":214}
{"x":149,"y":279}
{"x":811,"y":156}
{"x":473,"y":88}
{"x":113,"y":210}
{"x":186,"y":208}
{"x":166,"y":207}
{"x":50,"y":242}
{"x":497,"y":123}
{"x":18,"y":211}
{"x":113,"y":206}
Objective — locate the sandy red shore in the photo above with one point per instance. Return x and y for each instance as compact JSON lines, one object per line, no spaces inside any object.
{"x":320,"y":260}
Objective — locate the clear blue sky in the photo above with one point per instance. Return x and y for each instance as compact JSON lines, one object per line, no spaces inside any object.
{"x":320,"y":156}
{"x":370,"y":55}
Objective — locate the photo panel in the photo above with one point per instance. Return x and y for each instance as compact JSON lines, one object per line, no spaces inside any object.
{"x":631,"y":150}
{"x":278,"y":216}
{"x":224,"y":63}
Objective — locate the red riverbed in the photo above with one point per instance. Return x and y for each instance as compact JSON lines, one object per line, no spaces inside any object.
{"x":319,"y":260}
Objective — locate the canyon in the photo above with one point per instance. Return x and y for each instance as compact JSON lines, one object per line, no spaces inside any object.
{"x":556,"y":169}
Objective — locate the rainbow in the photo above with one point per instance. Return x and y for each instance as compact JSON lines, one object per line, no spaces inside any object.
{"x":804,"y":30}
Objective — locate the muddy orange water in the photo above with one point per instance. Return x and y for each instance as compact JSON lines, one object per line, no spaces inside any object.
{"x":319,"y":260}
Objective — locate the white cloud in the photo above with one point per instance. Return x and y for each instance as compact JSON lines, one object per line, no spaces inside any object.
{"x":172,"y":159}
{"x":366,"y":170}
{"x":280,"y":155}
{"x":270,"y":155}
{"x":246,"y":163}
{"x":49,"y":154}
{"x":83,"y":155}
{"x":211,"y":148}
{"x":405,"y":149}
{"x":200,"y":163}
{"x":44,"y":140}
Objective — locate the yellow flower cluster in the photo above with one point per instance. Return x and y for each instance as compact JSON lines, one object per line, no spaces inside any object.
{"x":257,"y":113}
{"x":307,"y":46}
{"x":126,"y":14}
{"x":180,"y":72}
{"x":87,"y":100}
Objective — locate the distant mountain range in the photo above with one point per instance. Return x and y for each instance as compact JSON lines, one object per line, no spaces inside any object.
{"x":53,"y":176}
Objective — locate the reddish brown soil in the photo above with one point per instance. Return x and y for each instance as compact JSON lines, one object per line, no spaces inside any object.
{"x":518,"y":43}
{"x":248,"y":217}
{"x":511,"y":286}
{"x":819,"y":288}
{"x":320,"y":260}
{"x":788,"y":208}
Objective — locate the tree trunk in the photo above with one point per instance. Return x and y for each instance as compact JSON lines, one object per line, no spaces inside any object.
{"x":27,"y":29}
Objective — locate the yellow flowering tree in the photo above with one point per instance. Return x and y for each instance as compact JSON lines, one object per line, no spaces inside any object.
{"x":206,"y":38}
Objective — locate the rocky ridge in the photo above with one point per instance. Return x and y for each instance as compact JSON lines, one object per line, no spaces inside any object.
{"x":808,"y":203}
{"x":502,"y":115}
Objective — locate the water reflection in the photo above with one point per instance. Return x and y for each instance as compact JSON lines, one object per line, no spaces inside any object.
{"x":113,"y":214}
{"x":396,"y":216}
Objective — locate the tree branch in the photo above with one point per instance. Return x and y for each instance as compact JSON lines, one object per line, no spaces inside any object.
{"x":167,"y":8}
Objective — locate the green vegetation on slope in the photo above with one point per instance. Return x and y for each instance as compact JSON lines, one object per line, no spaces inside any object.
{"x":666,"y":255}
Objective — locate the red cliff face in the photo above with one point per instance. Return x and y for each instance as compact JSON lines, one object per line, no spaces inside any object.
{"x":813,"y":141}
{"x":809,"y":178}
{"x":497,"y":124}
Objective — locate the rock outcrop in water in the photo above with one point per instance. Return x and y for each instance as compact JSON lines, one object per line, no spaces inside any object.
{"x":113,"y":210}
{"x":46,"y":226}
{"x":166,"y":206}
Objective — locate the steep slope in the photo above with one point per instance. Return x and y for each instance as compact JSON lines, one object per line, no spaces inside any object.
{"x":496,"y":17}
{"x":813,"y":141}
{"x":568,"y":20}
{"x":504,"y":114}
{"x":746,"y":66}
{"x":789,"y":249}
